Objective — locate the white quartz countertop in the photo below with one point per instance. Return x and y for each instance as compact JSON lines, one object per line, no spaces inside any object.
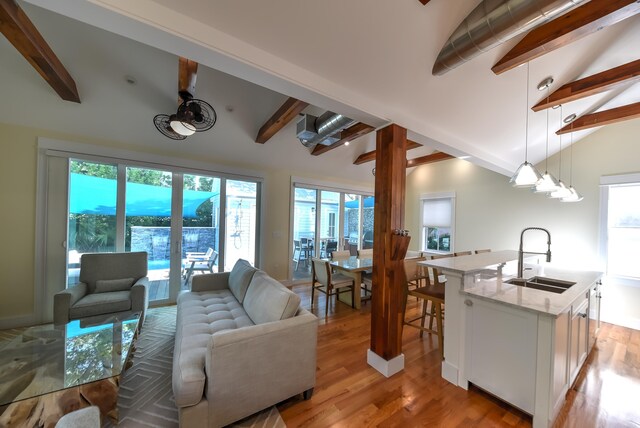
{"x":486,"y":277}
{"x":472,"y":263}
{"x":490,"y":284}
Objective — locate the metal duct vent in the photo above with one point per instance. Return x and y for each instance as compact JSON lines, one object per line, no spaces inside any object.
{"x":494,"y":22}
{"x":325,"y":129}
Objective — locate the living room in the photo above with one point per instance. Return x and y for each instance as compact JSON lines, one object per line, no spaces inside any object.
{"x":125,"y":79}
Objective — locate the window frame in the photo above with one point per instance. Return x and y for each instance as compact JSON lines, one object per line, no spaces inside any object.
{"x":451,"y":196}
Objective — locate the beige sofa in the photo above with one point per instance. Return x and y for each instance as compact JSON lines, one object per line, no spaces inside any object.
{"x":243,"y":343}
{"x":109,"y":283}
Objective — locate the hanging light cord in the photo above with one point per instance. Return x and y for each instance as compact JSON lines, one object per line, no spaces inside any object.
{"x":560,"y":156}
{"x":546,"y":158}
{"x":571,"y":156}
{"x":526,"y":129}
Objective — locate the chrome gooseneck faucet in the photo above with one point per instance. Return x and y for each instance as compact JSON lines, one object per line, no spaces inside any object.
{"x":521,"y":252}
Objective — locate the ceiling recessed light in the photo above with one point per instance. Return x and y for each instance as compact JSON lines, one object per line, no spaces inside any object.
{"x":464,"y":157}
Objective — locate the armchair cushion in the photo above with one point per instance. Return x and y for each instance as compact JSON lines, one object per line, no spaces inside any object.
{"x":282,"y":302}
{"x":239,"y":278}
{"x":97,"y":266}
{"x":101,"y":303}
{"x":107,"y":285}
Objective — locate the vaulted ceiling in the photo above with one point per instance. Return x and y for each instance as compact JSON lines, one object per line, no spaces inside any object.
{"x":369,"y":60}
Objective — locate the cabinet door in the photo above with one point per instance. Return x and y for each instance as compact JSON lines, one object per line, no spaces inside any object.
{"x":560,"y":356}
{"x":500,"y":354}
{"x":579,"y":331}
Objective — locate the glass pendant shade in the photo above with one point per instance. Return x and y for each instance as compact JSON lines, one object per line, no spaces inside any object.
{"x":182,"y":128}
{"x":526,"y":176}
{"x":574,"y":196}
{"x":562,"y":192}
{"x":546,"y":184}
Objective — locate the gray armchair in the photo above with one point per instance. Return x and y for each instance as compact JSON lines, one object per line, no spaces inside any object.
{"x":109,"y":283}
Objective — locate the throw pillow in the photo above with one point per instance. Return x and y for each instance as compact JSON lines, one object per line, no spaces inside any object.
{"x":109,"y":285}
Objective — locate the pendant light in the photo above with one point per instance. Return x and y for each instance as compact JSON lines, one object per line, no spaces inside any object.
{"x":548,"y":182}
{"x":562,"y":191}
{"x":574,"y":196}
{"x":526,"y":175}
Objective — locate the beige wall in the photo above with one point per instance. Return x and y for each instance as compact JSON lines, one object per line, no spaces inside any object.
{"x":18,"y":146}
{"x":491,"y":214}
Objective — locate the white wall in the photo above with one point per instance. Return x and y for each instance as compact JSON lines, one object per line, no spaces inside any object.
{"x":491,"y":214}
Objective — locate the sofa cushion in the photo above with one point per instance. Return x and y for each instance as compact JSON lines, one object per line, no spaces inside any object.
{"x":108,"y":285}
{"x":200,"y":314}
{"x":240,"y":277}
{"x":267,"y":300}
{"x":101,"y":303}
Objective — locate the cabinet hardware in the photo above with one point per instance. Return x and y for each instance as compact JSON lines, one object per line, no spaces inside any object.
{"x":468,"y":302}
{"x":582,"y":315}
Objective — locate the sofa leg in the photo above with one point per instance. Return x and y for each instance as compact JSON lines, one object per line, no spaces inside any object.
{"x":307,"y":394}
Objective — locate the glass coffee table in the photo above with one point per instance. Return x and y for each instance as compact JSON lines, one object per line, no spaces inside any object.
{"x":49,"y":370}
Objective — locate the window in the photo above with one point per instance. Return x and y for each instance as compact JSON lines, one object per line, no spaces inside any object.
{"x":332,"y":225}
{"x":437,"y":222}
{"x":623,"y":231}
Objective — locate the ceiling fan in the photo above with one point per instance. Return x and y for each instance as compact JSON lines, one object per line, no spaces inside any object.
{"x":193,"y":115}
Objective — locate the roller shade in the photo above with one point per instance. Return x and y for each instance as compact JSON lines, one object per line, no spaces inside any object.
{"x":437,"y":212}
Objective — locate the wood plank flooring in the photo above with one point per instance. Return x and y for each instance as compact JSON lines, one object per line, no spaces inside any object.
{"x":350,"y":393}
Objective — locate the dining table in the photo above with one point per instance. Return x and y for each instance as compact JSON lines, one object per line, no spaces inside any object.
{"x":352,"y":267}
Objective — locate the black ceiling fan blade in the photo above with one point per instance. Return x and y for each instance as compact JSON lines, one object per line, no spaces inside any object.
{"x":162,"y":123}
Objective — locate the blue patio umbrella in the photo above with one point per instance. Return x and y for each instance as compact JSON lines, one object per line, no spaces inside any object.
{"x":95,"y":195}
{"x":368,"y":203}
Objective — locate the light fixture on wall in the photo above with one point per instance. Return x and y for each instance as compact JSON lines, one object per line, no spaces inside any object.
{"x":574,"y":196}
{"x":548,"y":182}
{"x":526,"y":175}
{"x":562,"y":191}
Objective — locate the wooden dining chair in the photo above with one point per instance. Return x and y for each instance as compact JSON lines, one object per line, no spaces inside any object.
{"x":368,"y":253}
{"x":462,"y":253}
{"x":432,"y":295}
{"x":486,"y":250}
{"x":329,"y":283}
{"x":340,"y":254}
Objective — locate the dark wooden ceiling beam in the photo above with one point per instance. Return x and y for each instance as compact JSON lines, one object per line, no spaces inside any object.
{"x":187,"y":75}
{"x":371,"y":156}
{"x":573,"y":25}
{"x":606,"y":117}
{"x":285,"y":114}
{"x":25,"y":37}
{"x":349,"y":134}
{"x":433,"y":157}
{"x":424,"y":1}
{"x":625,"y":74}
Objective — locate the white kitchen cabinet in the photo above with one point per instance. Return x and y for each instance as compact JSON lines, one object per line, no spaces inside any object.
{"x":502,"y":344}
{"x":579,"y":336}
{"x":560,"y":376}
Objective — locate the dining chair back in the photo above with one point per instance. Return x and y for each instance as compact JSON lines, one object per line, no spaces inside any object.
{"x":462,"y":253}
{"x":343,"y":254}
{"x":329,"y":283}
{"x":368,"y":253}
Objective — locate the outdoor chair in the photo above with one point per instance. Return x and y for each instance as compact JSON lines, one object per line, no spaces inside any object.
{"x":109,"y":283}
{"x":199,"y":262}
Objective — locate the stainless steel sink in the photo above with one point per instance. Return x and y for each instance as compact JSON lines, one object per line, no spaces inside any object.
{"x":543,"y":283}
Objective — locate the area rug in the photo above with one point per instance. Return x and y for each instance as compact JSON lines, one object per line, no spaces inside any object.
{"x":145,"y":398}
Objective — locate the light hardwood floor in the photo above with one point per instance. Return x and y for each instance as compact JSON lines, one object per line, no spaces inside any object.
{"x":349,"y":393}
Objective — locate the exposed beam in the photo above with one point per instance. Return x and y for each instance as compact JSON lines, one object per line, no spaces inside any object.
{"x":285,"y":114}
{"x":349,"y":134}
{"x":433,"y":157}
{"x":424,"y":1}
{"x":187,"y":74}
{"x":573,"y":25}
{"x":591,"y":85}
{"x":25,"y":37}
{"x":371,"y":156}
{"x":607,"y":117}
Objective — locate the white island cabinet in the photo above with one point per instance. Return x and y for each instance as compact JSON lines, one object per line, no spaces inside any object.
{"x":523,"y":345}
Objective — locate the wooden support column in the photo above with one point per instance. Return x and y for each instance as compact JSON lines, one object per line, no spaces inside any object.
{"x":389,"y":249}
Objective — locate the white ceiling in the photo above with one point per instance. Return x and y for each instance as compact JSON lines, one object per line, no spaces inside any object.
{"x":368,"y":59}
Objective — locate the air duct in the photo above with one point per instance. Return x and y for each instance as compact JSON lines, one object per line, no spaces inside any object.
{"x":494,"y":22}
{"x":325,"y":129}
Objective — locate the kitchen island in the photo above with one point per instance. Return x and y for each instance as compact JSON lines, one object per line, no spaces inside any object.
{"x":523,"y":345}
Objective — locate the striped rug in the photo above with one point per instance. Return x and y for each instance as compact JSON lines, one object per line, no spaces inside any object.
{"x":146,"y":398}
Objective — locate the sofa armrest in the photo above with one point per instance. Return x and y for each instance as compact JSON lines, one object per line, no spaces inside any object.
{"x":140,"y":297}
{"x":65,"y":299}
{"x":254,"y":367}
{"x":210,"y":281}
